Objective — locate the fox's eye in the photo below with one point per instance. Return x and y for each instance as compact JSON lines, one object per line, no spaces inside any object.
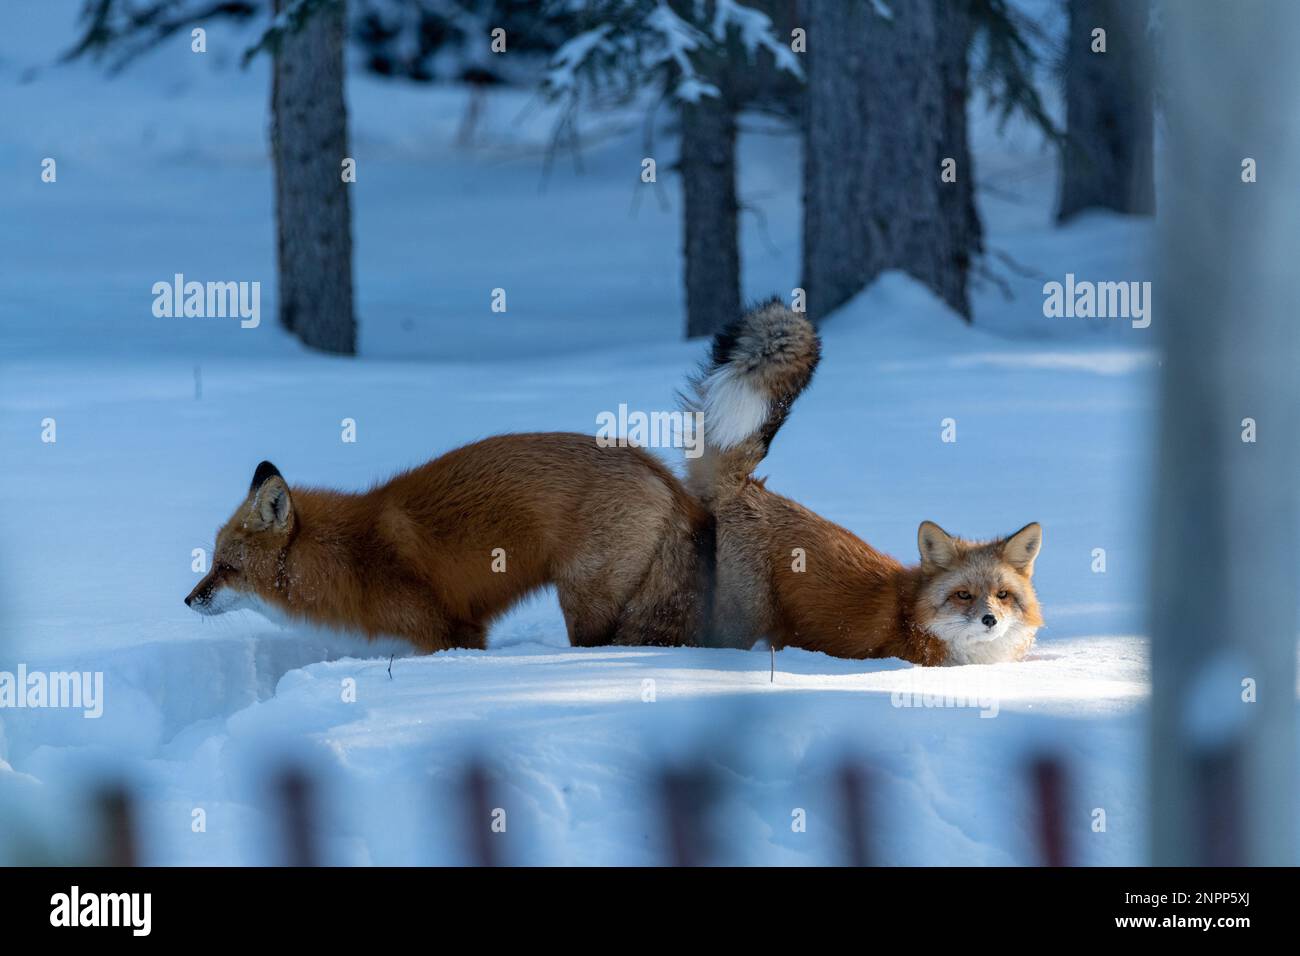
{"x":964,"y":595}
{"x":1002,"y":595}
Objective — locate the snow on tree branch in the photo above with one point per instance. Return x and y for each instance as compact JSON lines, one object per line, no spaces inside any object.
{"x":626,"y":44}
{"x":755,"y":30}
{"x":679,"y":40}
{"x":127,"y":28}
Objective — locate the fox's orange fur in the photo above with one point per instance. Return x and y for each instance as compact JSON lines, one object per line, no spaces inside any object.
{"x":625,"y":545}
{"x":845,"y":598}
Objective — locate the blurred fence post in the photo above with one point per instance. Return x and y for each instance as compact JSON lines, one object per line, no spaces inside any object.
{"x":1048,"y":774}
{"x":1225,"y":562}
{"x":855,"y":800}
{"x":479,"y":814}
{"x":687,"y":795}
{"x":297,"y":810}
{"x":117,"y":814}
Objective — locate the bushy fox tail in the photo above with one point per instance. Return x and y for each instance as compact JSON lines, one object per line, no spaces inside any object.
{"x":759,"y":365}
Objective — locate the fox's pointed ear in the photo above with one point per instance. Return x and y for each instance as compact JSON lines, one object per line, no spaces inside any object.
{"x":1022,"y":548}
{"x":264,"y":471}
{"x":270,"y":507}
{"x":938,"y":548}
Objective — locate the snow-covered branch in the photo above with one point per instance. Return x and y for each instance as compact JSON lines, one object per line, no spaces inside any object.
{"x":627,"y":44}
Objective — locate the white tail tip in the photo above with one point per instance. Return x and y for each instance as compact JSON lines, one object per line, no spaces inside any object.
{"x":733,"y":408}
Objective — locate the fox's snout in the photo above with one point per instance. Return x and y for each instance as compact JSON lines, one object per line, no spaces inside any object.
{"x":988,"y":620}
{"x":208,"y":597}
{"x":199,"y":597}
{"x":211,"y":600}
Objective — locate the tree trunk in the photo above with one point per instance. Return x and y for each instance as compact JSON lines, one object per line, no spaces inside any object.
{"x":710,"y":241}
{"x":957,"y":199}
{"x":880,"y":121}
{"x":1106,"y":160}
{"x":309,"y":141}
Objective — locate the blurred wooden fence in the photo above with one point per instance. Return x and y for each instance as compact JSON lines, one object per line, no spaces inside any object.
{"x":686,"y":796}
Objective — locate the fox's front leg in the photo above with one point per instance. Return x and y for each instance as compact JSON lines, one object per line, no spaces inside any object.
{"x":467,"y":634}
{"x":433,"y":631}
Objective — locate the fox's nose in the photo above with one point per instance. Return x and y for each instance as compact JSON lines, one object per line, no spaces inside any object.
{"x":189,"y":601}
{"x":988,"y":620}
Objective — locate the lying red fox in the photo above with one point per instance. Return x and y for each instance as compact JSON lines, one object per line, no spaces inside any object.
{"x":966,"y":603}
{"x":434,"y":554}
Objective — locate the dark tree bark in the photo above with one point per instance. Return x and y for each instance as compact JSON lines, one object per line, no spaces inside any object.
{"x":957,"y":199}
{"x":882,"y":115}
{"x":1106,"y":159}
{"x":711,"y":243}
{"x":309,"y":141}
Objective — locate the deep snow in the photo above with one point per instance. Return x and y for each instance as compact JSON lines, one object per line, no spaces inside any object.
{"x":163,"y":170}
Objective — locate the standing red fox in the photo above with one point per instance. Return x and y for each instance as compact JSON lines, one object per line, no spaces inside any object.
{"x":434,"y":554}
{"x":967,"y":602}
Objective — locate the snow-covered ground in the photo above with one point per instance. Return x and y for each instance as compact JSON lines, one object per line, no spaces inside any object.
{"x":164,"y":170}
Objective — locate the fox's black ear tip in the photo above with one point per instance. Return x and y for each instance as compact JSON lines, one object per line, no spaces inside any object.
{"x":264,"y":471}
